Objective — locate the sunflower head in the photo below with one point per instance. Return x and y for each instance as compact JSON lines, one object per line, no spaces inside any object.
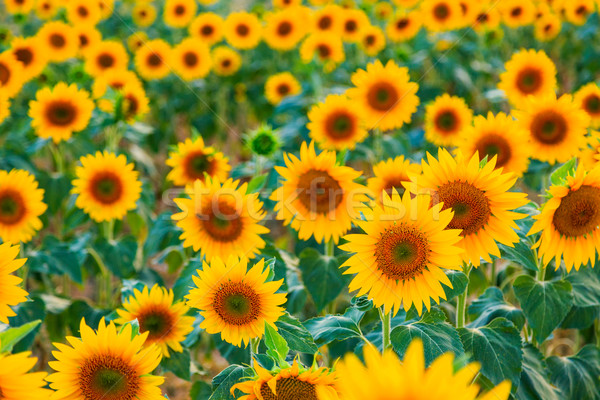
{"x":207,"y":26}
{"x":445,"y":119}
{"x":373,"y":40}
{"x":263,"y":141}
{"x":281,"y":86}
{"x":243,"y":30}
{"x":10,"y":292}
{"x":391,"y":175}
{"x":179,"y":13}
{"x":588,"y":99}
{"x":226,"y":61}
{"x":193,"y":160}
{"x":143,"y":14}
{"x":192,"y":59}
{"x":153,"y":60}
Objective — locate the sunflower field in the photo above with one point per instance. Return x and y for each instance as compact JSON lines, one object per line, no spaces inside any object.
{"x":299,"y":199}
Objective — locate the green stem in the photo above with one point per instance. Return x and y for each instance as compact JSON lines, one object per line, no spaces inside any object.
{"x":386,"y":328}
{"x":377,"y":145}
{"x":254,"y":343}
{"x":493,"y":273}
{"x":24,"y":270}
{"x":57,"y":157}
{"x":329,"y":248}
{"x":461,"y":302}
{"x":541,"y":273}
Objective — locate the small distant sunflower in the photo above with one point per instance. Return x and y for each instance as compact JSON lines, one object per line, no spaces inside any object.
{"x":589,"y":154}
{"x":486,"y":20}
{"x":143,"y":14}
{"x":135,"y":103}
{"x":570,"y":221}
{"x":226,"y":61}
{"x":372,"y":41}
{"x":391,"y":175}
{"x":337,"y":123}
{"x":179,"y":13}
{"x":445,"y":119}
{"x":404,"y":26}
{"x":281,"y":86}
{"x":21,"y":205}
{"x":106,"y":185}
{"x":207,"y":26}
{"x":286,"y":3}
{"x":19,"y":6}
{"x":235,"y":301}
{"x":83,"y":12}
{"x":59,"y":40}
{"x":354,"y":21}
{"x":324,"y":197}
{"x":88,"y":37}
{"x":528,"y":72}
{"x":588,"y":99}
{"x":116,"y":79}
{"x":283,"y":29}
{"x":327,"y":48}
{"x":441,"y":15}
{"x":136,"y":40}
{"x":46,"y":9}
{"x":31,"y":55}
{"x":221,"y":219}
{"x":556,"y":127}
{"x":328,"y":20}
{"x":104,"y":56}
{"x":243,"y":30}
{"x":106,"y":364}
{"x":386,"y":94}
{"x":578,"y":11}
{"x":106,"y":8}
{"x":386,"y":377}
{"x":11,"y":80}
{"x":4,"y":108}
{"x":153,"y":60}
{"x":60,"y":111}
{"x":516,"y":13}
{"x":17,"y":383}
{"x":158,"y":314}
{"x":548,"y":27}
{"x":469,"y":9}
{"x":10,"y":292}
{"x":191,"y":59}
{"x":480,"y":198}
{"x":383,"y":10}
{"x":497,"y":136}
{"x":194,"y":160}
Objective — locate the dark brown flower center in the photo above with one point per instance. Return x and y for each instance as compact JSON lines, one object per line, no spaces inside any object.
{"x":190,"y":59}
{"x":105,"y":60}
{"x":283,"y":89}
{"x":395,"y":183}
{"x":242,"y":30}
{"x":207,"y":30}
{"x":517,"y":11}
{"x":529,"y":80}
{"x":324,"y":51}
{"x":350,"y":26}
{"x":106,"y":187}
{"x":549,"y":127}
{"x":179,"y":10}
{"x":340,"y":125}
{"x":24,"y":55}
{"x":470,"y":205}
{"x":446,"y":121}
{"x":82,"y":11}
{"x":83,"y":41}
{"x":107,"y":377}
{"x":319,"y":192}
{"x":325,"y":22}
{"x":57,"y":40}
{"x":284,"y":28}
{"x":197,"y":164}
{"x":492,"y":145}
{"x":370,"y":40}
{"x":382,"y":96}
{"x":237,"y":303}
{"x":293,"y":388}
{"x":12,"y":207}
{"x":131,"y":106}
{"x":591,"y":104}
{"x":154,"y":60}
{"x":578,"y":213}
{"x":4,"y":74}
{"x":401,"y":252}
{"x":221,"y":221}
{"x":157,"y":321}
{"x":441,"y":12}
{"x":226,"y":63}
{"x":402,"y":23}
{"x":61,"y":113}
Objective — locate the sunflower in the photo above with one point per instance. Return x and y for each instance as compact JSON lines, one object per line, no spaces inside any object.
{"x":354,"y":21}
{"x":445,"y":118}
{"x":193,"y":160}
{"x":106,"y":185}
{"x":21,"y":205}
{"x":207,"y":26}
{"x":391,"y":175}
{"x":286,"y":3}
{"x":478,"y":195}
{"x":11,"y":80}
{"x":372,"y":41}
{"x":486,"y":20}
{"x":179,"y":13}
{"x":136,"y":40}
{"x":88,"y":37}
{"x":281,"y":86}
{"x":337,"y":123}
{"x":236,"y":301}
{"x":578,"y":11}
{"x":243,"y":30}
{"x":143,"y":14}
{"x":384,"y":376}
{"x":152,"y":60}
{"x":547,"y":27}
{"x":191,"y":59}
{"x":31,"y":55}
{"x":289,"y":383}
{"x":226,"y":61}
{"x":386,"y":94}
{"x":317,"y":198}
{"x":406,"y":3}
{"x":570,"y":220}
{"x":46,"y":9}
{"x":116,"y":79}
{"x":10,"y":294}
{"x":283,"y":29}
{"x":470,"y":9}
{"x":383,"y":10}
{"x":403,"y":26}
{"x":106,"y":8}
{"x":157,"y":313}
{"x":221,"y":219}
{"x":106,"y":364}
{"x":4,"y":108}
{"x":556,"y":127}
{"x":104,"y":56}
{"x":528,"y":72}
{"x":59,"y":40}
{"x":60,"y":111}
{"x":589,"y":154}
{"x":327,"y":48}
{"x":134,"y":103}
{"x":497,"y":136}
{"x":83,"y":12}
{"x":441,"y":15}
{"x":328,"y":20}
{"x":17,"y":383}
{"x":588,"y":99}
{"x":19,"y":6}
{"x":516,"y":13}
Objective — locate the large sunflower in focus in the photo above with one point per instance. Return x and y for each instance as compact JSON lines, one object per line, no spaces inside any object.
{"x":16,"y":383}
{"x":588,"y":99}
{"x":497,"y":136}
{"x":480,"y":198}
{"x":10,"y":293}
{"x":401,"y":257}
{"x":107,"y":364}
{"x":243,"y":30}
{"x":157,"y":313}
{"x":221,"y":219}
{"x":556,"y":127}
{"x":445,"y":119}
{"x":236,"y":301}
{"x":193,"y":160}
{"x":386,"y":94}
{"x":392,"y":174}
{"x":384,"y":377}
{"x":317,"y":197}
{"x":21,"y":205}
{"x":570,"y":221}
{"x":528,"y":73}
{"x":106,"y":185}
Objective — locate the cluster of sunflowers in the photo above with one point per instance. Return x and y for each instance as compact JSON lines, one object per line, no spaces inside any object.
{"x":322,"y":200}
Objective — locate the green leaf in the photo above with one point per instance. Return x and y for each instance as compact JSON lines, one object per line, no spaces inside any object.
{"x":276,"y":344}
{"x":459,"y":283}
{"x":497,"y":347}
{"x":580,"y":317}
{"x":559,"y":175}
{"x":256,"y":183}
{"x":545,"y":304}
{"x":118,"y":256}
{"x":577,"y":376}
{"x":321,"y":276}
{"x":491,"y":305}
{"x":296,"y":335}
{"x":332,"y":327}
{"x":223,"y":382}
{"x":200,"y":391}
{"x":10,"y":337}
{"x":178,"y":363}
{"x":534,"y":382}
{"x":438,"y":336}
{"x":522,"y":253}
{"x":586,"y":288}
